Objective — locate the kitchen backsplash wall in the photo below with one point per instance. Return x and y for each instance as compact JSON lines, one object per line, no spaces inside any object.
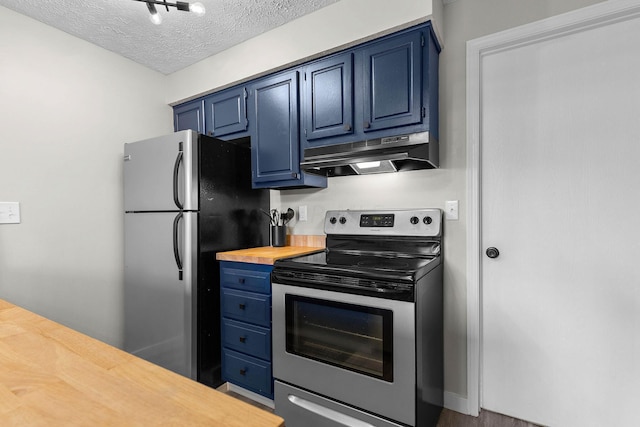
{"x":415,"y":189}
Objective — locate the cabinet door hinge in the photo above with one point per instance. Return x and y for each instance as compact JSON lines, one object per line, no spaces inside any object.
{"x":424,"y":112}
{"x":246,"y":94}
{"x":305,"y":132}
{"x":304,"y":76}
{"x":422,"y":40}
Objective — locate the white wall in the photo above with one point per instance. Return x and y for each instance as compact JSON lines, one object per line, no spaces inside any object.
{"x":66,"y":108}
{"x":330,"y":27}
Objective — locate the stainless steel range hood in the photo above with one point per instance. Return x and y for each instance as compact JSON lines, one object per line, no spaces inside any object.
{"x":390,"y":154}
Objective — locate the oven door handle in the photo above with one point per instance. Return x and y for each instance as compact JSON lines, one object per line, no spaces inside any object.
{"x":327,"y":413}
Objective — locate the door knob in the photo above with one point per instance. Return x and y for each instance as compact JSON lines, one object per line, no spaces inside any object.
{"x":493,"y":252}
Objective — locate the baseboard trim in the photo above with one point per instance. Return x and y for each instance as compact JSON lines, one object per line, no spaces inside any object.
{"x":457,"y":403}
{"x":251,"y":395}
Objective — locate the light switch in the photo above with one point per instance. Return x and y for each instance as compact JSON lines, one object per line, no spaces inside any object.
{"x":302,"y":213}
{"x":451,"y":210}
{"x":9,"y":213}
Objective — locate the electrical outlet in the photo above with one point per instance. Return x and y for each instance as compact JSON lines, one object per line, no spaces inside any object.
{"x":451,"y":210}
{"x":9,"y":213}
{"x":302,"y":213}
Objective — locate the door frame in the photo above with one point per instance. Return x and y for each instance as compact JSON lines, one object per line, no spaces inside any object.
{"x":598,"y":15}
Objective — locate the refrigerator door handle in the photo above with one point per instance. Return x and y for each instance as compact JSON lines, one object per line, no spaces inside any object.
{"x":176,"y":249}
{"x":176,"y":172}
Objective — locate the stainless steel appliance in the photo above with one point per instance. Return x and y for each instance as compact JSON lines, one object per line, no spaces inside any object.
{"x":357,"y":329}
{"x":389,"y":154}
{"x":186,"y":197}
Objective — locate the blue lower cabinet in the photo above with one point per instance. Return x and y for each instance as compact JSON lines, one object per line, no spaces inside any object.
{"x":246,"y":306}
{"x":249,"y":339}
{"x":248,"y":372}
{"x":245,"y":299}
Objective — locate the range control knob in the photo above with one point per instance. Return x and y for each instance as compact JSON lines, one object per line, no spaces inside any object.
{"x":333,"y":220}
{"x":343,"y":220}
{"x":414,"y":220}
{"x":427,"y":220}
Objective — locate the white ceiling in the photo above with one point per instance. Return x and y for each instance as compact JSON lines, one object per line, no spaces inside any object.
{"x":123,"y":26}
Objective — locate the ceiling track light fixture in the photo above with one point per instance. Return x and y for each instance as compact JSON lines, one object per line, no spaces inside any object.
{"x":197,"y":8}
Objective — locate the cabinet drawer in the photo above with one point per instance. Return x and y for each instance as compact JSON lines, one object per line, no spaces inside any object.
{"x":248,"y":339}
{"x":246,"y":277}
{"x":248,"y":372}
{"x":247,"y":307}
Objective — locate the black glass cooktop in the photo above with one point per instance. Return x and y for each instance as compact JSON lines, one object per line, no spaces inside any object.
{"x":389,"y":267}
{"x":385,"y":267}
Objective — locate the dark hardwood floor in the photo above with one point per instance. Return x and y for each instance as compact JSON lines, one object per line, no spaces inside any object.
{"x":447,"y":418}
{"x":486,"y":419}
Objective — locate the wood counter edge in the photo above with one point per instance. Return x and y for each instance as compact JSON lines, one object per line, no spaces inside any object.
{"x":296,"y":245}
{"x":91,"y":378}
{"x":265,"y":255}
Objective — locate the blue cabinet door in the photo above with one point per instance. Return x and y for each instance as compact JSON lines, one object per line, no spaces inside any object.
{"x":393,"y":82}
{"x":226,"y":112}
{"x":328,"y":97}
{"x":275,"y":148}
{"x":188,"y":116}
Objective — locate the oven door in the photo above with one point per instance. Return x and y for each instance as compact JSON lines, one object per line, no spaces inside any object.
{"x":358,"y":350}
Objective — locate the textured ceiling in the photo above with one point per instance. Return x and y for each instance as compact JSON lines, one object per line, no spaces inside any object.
{"x":123,"y":26}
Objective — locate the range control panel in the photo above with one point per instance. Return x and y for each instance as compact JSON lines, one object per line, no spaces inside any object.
{"x":409,"y":222}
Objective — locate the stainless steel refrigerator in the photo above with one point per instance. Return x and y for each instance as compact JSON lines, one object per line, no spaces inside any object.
{"x":186,"y":197}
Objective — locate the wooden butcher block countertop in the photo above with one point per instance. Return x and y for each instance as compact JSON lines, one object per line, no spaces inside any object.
{"x":51,"y":375}
{"x":300,"y":245}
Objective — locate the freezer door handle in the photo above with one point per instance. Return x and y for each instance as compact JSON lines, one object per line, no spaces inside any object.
{"x":176,"y":249}
{"x":176,"y":174}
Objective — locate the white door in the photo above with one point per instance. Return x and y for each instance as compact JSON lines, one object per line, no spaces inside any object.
{"x":560,"y":199}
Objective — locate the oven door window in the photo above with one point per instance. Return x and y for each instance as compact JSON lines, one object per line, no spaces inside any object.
{"x":353,"y":337}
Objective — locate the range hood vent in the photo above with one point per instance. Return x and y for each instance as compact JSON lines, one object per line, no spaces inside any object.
{"x":390,"y":154}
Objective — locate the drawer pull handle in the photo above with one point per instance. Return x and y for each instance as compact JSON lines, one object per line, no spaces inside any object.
{"x":241,"y":306}
{"x":241,"y":280}
{"x":243,"y":372}
{"x":243,"y":339}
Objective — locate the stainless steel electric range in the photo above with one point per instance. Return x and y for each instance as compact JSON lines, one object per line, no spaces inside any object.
{"x":357,"y":329}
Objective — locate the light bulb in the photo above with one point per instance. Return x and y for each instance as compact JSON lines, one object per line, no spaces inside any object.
{"x":197,"y":8}
{"x":368,"y":165}
{"x":155,"y":18}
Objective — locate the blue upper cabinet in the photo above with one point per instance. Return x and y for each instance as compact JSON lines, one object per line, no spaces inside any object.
{"x":275,"y":144}
{"x":393,"y":82}
{"x":189,"y":116}
{"x":385,"y":87}
{"x":226,"y":112}
{"x":327,"y":97}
